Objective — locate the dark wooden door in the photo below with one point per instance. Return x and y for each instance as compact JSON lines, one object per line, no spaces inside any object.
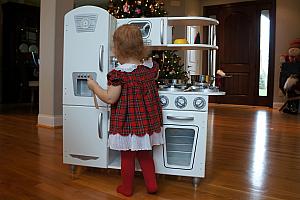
{"x":238,"y":54}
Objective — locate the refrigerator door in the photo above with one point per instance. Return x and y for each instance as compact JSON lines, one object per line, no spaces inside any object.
{"x":85,"y":134}
{"x":87,"y":39}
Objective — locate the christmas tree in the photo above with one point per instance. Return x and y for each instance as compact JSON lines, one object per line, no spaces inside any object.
{"x":169,"y":63}
{"x":136,"y":8}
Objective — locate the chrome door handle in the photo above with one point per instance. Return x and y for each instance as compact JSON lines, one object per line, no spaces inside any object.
{"x":101,"y":58}
{"x":179,"y":118}
{"x":161,"y":31}
{"x":100,"y":125}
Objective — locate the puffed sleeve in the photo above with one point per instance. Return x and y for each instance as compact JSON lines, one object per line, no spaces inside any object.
{"x":155,"y":68}
{"x":114,"y":78}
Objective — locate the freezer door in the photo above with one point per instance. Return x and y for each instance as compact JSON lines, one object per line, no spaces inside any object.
{"x":85,"y":133}
{"x":87,"y":38}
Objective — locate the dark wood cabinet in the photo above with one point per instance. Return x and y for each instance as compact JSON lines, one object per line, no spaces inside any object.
{"x":20,"y":42}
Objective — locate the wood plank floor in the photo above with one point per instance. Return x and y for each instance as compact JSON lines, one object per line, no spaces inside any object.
{"x":252,"y":153}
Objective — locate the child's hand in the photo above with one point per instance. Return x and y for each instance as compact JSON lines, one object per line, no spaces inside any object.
{"x":91,"y":83}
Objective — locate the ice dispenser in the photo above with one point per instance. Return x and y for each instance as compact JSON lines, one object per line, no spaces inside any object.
{"x":80,"y":83}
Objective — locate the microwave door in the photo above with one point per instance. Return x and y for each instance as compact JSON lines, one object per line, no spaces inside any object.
{"x":154,"y":30}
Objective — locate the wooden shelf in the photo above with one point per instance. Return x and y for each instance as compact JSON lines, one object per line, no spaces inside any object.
{"x":193,"y":46}
{"x":185,"y":47}
{"x":191,"y":21}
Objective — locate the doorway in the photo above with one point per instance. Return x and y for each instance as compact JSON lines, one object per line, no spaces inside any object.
{"x":246,"y":40}
{"x":19,"y":69}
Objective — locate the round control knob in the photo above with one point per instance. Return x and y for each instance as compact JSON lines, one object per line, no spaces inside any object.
{"x":164,"y":101}
{"x":180,"y":102}
{"x":199,"y":103}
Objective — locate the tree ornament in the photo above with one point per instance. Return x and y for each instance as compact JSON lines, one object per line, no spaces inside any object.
{"x":138,"y":11}
{"x":151,"y":8}
{"x":126,"y":7}
{"x":172,"y":72}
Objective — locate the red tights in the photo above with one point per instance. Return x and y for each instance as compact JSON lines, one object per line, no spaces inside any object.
{"x":128,"y":167}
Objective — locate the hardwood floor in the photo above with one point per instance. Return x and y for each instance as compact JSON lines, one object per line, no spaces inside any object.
{"x":252,"y":153}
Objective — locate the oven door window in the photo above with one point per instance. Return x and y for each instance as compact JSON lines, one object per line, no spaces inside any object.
{"x":180,"y":146}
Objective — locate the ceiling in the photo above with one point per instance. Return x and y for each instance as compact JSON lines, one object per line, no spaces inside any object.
{"x":101,"y":3}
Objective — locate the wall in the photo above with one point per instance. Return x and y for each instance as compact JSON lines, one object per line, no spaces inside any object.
{"x":51,"y":61}
{"x":195,"y":7}
{"x":47,"y":58}
{"x":176,"y":8}
{"x":287,"y":29}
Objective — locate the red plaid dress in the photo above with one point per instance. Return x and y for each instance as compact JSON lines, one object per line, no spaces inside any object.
{"x":136,"y":118}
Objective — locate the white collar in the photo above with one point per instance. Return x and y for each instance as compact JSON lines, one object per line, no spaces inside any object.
{"x":129,"y":67}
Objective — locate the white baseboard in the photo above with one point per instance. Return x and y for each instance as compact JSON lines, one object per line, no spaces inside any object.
{"x":277,"y":105}
{"x":50,"y":120}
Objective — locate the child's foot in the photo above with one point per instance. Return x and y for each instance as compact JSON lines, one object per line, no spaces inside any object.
{"x":152,"y":187}
{"x":124,"y":190}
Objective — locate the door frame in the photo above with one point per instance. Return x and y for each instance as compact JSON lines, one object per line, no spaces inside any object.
{"x":260,"y":5}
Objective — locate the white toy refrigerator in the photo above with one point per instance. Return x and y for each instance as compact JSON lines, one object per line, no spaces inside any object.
{"x":87,"y":51}
{"x":88,"y":32}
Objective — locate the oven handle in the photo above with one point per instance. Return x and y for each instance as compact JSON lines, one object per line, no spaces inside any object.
{"x":180,"y":118}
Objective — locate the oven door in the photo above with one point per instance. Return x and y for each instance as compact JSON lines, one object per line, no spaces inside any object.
{"x":180,"y":146}
{"x":183,"y":152}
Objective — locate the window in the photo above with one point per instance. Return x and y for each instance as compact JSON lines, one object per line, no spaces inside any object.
{"x":264,"y":52}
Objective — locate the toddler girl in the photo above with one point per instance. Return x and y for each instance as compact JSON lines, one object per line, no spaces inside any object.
{"x":136,"y":115}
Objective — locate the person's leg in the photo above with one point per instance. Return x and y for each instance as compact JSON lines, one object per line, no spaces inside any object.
{"x":147,"y":164}
{"x":127,"y":172}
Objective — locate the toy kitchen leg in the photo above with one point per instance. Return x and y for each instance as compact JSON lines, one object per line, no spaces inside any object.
{"x":196,"y":181}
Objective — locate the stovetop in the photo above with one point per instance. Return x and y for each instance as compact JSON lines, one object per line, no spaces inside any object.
{"x":198,"y":91}
{"x":186,"y":98}
{"x":183,"y":101}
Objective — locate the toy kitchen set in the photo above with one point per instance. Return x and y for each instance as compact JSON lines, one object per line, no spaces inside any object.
{"x":88,"y":34}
